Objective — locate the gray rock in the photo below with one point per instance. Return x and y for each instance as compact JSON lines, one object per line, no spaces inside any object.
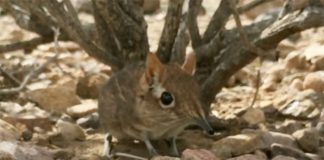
{"x":55,"y":98}
{"x":90,"y":121}
{"x":280,"y":157}
{"x":6,"y":156}
{"x":278,"y":149}
{"x":313,"y":156}
{"x":248,"y":157}
{"x":19,"y":150}
{"x":70,"y":131}
{"x":303,"y":109}
{"x":198,"y":154}
{"x":63,"y":154}
{"x":308,"y":139}
{"x":89,"y":86}
{"x":290,"y":126}
{"x":81,"y":110}
{"x":261,"y":154}
{"x":241,"y":144}
{"x":254,"y":116}
{"x":320,"y":127}
{"x":320,"y":152}
{"x":284,"y":139}
{"x":8,"y":132}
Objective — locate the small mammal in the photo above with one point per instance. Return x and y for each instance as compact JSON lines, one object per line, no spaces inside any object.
{"x":152,"y":101}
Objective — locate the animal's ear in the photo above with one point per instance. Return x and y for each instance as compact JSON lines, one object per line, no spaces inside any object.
{"x":154,"y":71}
{"x":189,"y":64}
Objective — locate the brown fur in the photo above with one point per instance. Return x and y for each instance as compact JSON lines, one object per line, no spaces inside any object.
{"x":128,"y":107}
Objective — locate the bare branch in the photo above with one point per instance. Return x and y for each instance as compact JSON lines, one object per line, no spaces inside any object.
{"x":234,"y":57}
{"x":10,"y":77}
{"x":29,"y":44}
{"x":252,"y":48}
{"x":128,"y":27}
{"x":218,"y":21}
{"x":34,"y":72}
{"x":107,"y":38}
{"x":194,"y":6}
{"x":169,"y":33}
{"x":67,"y":22}
{"x":251,"y":5}
{"x":180,"y":44}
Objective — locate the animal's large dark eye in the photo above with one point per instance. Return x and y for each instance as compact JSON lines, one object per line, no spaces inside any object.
{"x":166,"y":98}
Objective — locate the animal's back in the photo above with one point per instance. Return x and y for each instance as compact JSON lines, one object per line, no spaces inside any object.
{"x":118,"y":99}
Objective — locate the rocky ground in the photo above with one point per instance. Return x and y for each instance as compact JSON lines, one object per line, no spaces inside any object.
{"x":56,"y":117}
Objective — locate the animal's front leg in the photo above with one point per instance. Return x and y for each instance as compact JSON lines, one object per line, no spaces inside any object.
{"x":150,"y":148}
{"x":107,"y":146}
{"x":174,"y":147}
{"x":172,"y":144}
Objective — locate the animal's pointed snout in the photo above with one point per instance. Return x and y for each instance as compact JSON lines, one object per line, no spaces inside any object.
{"x":204,"y":124}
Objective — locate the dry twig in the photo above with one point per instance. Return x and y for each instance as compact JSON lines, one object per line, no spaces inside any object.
{"x":23,"y":44}
{"x":10,"y":77}
{"x":34,"y":72}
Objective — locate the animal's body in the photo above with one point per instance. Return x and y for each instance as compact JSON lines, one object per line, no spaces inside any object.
{"x":151,"y":101}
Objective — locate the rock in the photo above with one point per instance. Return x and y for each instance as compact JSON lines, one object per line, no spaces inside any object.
{"x":280,"y":157}
{"x":320,"y":127}
{"x":31,"y":122}
{"x":89,"y":86}
{"x":64,"y":154}
{"x":273,"y":75}
{"x":27,"y":135}
{"x":261,"y":154}
{"x":269,"y":138}
{"x":150,"y":6}
{"x":241,"y":144}
{"x":313,"y":156}
{"x":267,"y":107}
{"x":81,"y":110}
{"x":253,"y":13}
{"x":283,"y":139}
{"x":321,"y":152}
{"x":303,"y":105}
{"x":285,"y":47}
{"x":249,"y":141}
{"x":297,"y":84}
{"x":302,"y":109}
{"x":295,"y":60}
{"x":276,"y":73}
{"x":269,"y":86}
{"x":90,"y":121}
{"x":254,"y":116}
{"x":70,"y":131}
{"x":308,"y":139}
{"x":11,"y":108}
{"x":290,"y":126}
{"x":57,"y":139}
{"x":278,"y":149}
{"x":314,"y":81}
{"x":6,"y":156}
{"x":198,"y":154}
{"x":245,"y":77}
{"x":91,"y":157}
{"x":55,"y":98}
{"x":248,"y":157}
{"x":165,"y":158}
{"x":19,"y":150}
{"x":82,"y":5}
{"x":314,"y":54}
{"x":8,"y":132}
